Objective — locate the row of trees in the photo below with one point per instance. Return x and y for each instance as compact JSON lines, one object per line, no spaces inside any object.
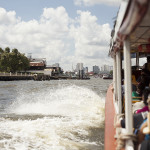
{"x":12,"y":61}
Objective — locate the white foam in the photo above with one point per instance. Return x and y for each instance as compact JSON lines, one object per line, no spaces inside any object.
{"x":68,"y":101}
{"x":80,"y":107}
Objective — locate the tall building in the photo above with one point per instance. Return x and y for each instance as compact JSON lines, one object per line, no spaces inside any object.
{"x":79,"y":66}
{"x":96,"y":69}
{"x":106,"y":68}
{"x":79,"y":70}
{"x":86,"y":70}
{"x":111,"y":68}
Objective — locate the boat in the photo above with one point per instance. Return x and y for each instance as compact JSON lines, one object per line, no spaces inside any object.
{"x":130,"y":40}
{"x":107,"y":76}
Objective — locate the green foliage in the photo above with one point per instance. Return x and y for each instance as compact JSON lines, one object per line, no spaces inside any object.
{"x":7,"y":50}
{"x":1,"y":51}
{"x":12,"y":61}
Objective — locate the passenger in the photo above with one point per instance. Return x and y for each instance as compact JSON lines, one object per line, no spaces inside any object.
{"x":134,"y":83}
{"x":136,"y":95}
{"x":137,"y":118}
{"x":146,"y":96}
{"x":144,"y":132}
{"x":145,"y":145}
{"x":140,"y":134}
{"x":141,"y":86}
{"x":146,"y":66}
{"x":142,"y":75}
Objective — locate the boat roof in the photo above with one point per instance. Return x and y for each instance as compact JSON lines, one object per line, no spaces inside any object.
{"x":133,"y":21}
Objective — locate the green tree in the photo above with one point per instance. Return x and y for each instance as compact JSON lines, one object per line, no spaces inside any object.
{"x":7,"y":50}
{"x":1,"y":50}
{"x":13,"y":61}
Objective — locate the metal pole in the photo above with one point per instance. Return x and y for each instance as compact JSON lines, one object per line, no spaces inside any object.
{"x":115,"y":78}
{"x":119,"y":91}
{"x":128,"y":92}
{"x":137,"y":59}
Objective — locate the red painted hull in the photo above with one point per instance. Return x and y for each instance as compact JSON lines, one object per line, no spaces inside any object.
{"x":110,"y":142}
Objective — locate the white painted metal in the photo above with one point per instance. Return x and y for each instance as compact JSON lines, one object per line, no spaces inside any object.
{"x":115,"y":78}
{"x":137,"y":59}
{"x":119,"y":91}
{"x":120,"y":17}
{"x":128,"y":91}
{"x":129,"y":145}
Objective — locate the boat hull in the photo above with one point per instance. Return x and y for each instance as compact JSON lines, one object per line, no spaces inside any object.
{"x":110,"y":142}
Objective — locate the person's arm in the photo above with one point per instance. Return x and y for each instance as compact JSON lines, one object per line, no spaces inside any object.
{"x":140,"y":134}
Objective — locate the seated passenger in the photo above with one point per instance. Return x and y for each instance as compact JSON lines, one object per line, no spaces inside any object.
{"x":146,"y":66}
{"x":137,"y":95}
{"x":141,"y":86}
{"x":144,"y":132}
{"x":142,"y":75}
{"x":145,"y":97}
{"x":134,"y":83}
{"x":137,"y":118}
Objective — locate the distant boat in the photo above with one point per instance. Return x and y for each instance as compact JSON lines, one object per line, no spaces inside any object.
{"x":107,"y":76}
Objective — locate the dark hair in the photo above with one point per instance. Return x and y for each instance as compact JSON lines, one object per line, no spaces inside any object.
{"x":143,"y":70}
{"x":146,"y":92}
{"x":148,"y":57}
{"x":141,"y":87}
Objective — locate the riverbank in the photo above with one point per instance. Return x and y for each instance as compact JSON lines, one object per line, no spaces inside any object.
{"x":36,"y":77}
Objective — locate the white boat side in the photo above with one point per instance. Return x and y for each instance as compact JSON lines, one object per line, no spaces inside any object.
{"x":132,"y":29}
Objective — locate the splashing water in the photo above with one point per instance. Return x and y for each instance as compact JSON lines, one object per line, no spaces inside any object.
{"x":66,"y":118}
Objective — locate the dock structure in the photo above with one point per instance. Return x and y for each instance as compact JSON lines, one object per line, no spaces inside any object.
{"x":17,"y":76}
{"x":36,"y":77}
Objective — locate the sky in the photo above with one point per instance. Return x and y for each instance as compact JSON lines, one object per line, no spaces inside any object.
{"x":62,"y":31}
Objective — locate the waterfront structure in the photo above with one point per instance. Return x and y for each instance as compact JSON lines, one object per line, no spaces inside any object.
{"x":52,"y":70}
{"x":37,"y":63}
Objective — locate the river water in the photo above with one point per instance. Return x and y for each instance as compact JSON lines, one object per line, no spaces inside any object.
{"x":52,"y":115}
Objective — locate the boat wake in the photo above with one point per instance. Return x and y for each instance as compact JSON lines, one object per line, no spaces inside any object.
{"x":65,"y":118}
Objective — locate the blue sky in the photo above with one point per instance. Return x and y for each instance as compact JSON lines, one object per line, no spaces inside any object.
{"x":29,"y":9}
{"x":62,"y":31}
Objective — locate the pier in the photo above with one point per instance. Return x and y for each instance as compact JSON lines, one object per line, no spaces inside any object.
{"x":17,"y":76}
{"x":36,"y":77}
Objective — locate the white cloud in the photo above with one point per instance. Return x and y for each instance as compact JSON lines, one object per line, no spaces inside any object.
{"x":8,"y":17}
{"x":57,"y":37}
{"x":91,"y":39}
{"x":95,"y":2}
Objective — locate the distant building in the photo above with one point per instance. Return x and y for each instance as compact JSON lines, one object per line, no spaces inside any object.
{"x":37,"y":63}
{"x":79,"y":66}
{"x":111,"y":68}
{"x":86,"y":70}
{"x":106,"y":68}
{"x":96,"y":69}
{"x":53,"y":70}
{"x":79,"y":70}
